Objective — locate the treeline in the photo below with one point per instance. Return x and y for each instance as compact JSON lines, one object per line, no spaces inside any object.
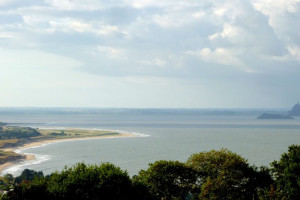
{"x":14,"y":132}
{"x":213,"y":175}
{"x":2,"y":124}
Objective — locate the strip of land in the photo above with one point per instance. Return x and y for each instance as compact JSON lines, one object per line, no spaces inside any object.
{"x":8,"y":157}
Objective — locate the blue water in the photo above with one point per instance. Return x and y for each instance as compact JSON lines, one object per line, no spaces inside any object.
{"x":172,"y":134}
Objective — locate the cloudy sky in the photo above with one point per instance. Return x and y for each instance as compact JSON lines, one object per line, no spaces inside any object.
{"x":150,"y":53}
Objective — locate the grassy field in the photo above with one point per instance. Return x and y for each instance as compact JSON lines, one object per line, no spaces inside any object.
{"x":11,"y":142}
{"x":7,"y":156}
{"x":73,"y":133}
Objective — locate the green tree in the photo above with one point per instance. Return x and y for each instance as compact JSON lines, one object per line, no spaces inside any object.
{"x":7,"y":182}
{"x":169,"y":180}
{"x":286,"y":172}
{"x":28,"y":175}
{"x":226,"y":175}
{"x":79,"y":182}
{"x":8,"y":177}
{"x":34,"y":190}
{"x":90,"y":182}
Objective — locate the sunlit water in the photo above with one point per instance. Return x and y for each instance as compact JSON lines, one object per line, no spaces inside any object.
{"x":161,"y":136}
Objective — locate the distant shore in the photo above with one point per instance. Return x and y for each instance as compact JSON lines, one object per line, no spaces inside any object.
{"x":45,"y":141}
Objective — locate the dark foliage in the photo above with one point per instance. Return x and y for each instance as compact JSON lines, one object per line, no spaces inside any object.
{"x":287,"y":173}
{"x":2,"y":124}
{"x":169,"y":180}
{"x":226,"y":175}
{"x":28,"y":175}
{"x":90,"y":182}
{"x":18,"y":132}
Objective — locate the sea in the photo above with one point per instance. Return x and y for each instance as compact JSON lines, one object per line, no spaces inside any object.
{"x":160,"y":134}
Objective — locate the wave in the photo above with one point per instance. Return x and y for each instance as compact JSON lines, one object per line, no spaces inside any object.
{"x":16,"y":169}
{"x":20,"y":150}
{"x":125,"y":132}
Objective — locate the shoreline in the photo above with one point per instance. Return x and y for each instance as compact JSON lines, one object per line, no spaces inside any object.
{"x":4,"y":166}
{"x":38,"y":143}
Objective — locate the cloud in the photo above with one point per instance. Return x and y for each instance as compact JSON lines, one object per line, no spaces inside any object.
{"x":111,"y":52}
{"x":221,"y":56}
{"x":282,"y":16}
{"x":154,"y":62}
{"x":6,"y":2}
{"x":292,"y":54}
{"x":69,"y":25}
{"x":186,"y":40}
{"x":229,"y":31}
{"x":67,"y":5}
{"x":34,"y":60}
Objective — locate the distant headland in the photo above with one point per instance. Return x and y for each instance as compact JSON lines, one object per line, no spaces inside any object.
{"x":274,"y":116}
{"x":295,"y":111}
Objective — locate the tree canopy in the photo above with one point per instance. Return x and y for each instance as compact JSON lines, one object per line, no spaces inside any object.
{"x":169,"y":180}
{"x":226,"y":175}
{"x":90,"y":182}
{"x":287,"y":173}
{"x":18,"y":132}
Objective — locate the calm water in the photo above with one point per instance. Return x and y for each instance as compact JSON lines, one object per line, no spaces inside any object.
{"x":164,"y":135}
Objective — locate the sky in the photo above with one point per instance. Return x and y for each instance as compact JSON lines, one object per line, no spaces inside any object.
{"x":150,"y":53}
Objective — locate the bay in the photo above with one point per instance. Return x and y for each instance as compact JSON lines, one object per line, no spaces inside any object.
{"x":162,"y":134}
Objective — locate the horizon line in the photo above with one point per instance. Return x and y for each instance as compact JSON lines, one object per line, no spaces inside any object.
{"x":94,"y":107}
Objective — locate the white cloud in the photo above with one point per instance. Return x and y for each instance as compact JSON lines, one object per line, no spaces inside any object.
{"x":146,"y":80}
{"x":228,"y":10}
{"x":166,"y":21}
{"x":282,"y":15}
{"x":34,"y":60}
{"x":108,"y":29}
{"x":74,"y":25}
{"x":293,"y":54}
{"x":111,"y":52}
{"x":154,"y":62}
{"x":160,"y":62}
{"x":221,"y":56}
{"x":148,"y":3}
{"x":270,"y":7}
{"x":35,"y":20}
{"x":199,"y":15}
{"x":6,"y":2}
{"x":152,"y":38}
{"x":175,"y":19}
{"x":229,"y":31}
{"x":89,"y":5}
{"x":69,"y":25}
{"x":7,"y":35}
{"x":79,"y":26}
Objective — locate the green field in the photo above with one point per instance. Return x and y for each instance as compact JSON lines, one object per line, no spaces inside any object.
{"x":73,"y":133}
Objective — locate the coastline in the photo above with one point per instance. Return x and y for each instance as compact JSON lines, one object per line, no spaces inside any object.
{"x":4,"y":166}
{"x":47,"y":141}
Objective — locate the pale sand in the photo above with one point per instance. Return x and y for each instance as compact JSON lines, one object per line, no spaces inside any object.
{"x":42,"y":142}
{"x":8,"y":164}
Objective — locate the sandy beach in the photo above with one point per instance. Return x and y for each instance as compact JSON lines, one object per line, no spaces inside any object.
{"x":50,"y":141}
